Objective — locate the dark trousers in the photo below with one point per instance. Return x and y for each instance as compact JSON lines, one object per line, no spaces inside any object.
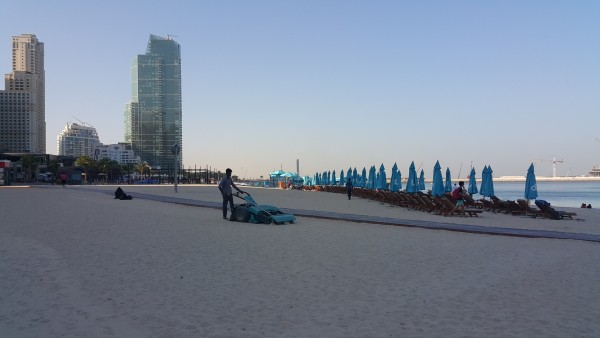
{"x":349,"y":194}
{"x":227,"y":199}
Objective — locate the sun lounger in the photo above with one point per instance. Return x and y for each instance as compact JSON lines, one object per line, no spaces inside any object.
{"x":529,"y":211}
{"x":550,"y":212}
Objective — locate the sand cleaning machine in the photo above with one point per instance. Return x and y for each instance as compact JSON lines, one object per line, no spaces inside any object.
{"x":252,"y":212}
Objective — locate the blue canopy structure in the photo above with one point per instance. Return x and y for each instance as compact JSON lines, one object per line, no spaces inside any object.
{"x":530,"y":184}
{"x":437,"y":188}
{"x":382,"y":179}
{"x":472,"y":183}
{"x":422,"y":180}
{"x":448,"y":184}
{"x":412,"y":185}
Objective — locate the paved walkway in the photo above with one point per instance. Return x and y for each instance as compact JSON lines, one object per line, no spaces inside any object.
{"x":384,"y":220}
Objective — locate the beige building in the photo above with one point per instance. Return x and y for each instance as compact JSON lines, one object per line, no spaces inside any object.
{"x":22,"y":103}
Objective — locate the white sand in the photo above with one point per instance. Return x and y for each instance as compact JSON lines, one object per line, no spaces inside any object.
{"x":75,"y":263}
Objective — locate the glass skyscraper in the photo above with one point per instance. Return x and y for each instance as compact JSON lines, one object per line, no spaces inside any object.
{"x":153,"y":116}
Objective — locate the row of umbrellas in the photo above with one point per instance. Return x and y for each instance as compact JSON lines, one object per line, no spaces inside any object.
{"x":378,"y":180}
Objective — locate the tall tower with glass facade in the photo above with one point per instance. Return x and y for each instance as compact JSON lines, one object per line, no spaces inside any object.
{"x":153,"y":116}
{"x":22,"y":103}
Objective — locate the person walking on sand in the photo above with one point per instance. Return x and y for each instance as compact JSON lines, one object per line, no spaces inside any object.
{"x":225,"y":188}
{"x":63,"y":178}
{"x":349,"y":188}
{"x":458,"y":195}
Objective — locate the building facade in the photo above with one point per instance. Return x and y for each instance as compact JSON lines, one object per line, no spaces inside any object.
{"x":22,"y":102}
{"x":76,"y":140}
{"x":153,"y":122}
{"x":120,"y":152}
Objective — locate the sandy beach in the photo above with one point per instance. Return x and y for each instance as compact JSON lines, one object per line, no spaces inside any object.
{"x":77,"y":263}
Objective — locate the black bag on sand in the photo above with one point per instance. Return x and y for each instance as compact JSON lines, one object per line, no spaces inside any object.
{"x":120,"y":194}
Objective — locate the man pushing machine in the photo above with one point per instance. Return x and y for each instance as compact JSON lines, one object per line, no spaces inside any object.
{"x":225,"y":188}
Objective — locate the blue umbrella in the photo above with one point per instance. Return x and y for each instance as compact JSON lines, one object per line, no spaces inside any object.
{"x":363,"y":179}
{"x":399,"y":180}
{"x":333,"y":181}
{"x":342,"y":178}
{"x":484,"y":177}
{"x":354,"y":177}
{"x":530,"y":184}
{"x":422,"y":180}
{"x":382,"y":179}
{"x":412,"y":185}
{"x":487,"y":183}
{"x":448,"y":186}
{"x":394,"y":179}
{"x":472,"y":183}
{"x":438,"y":183}
{"x":372,"y":177}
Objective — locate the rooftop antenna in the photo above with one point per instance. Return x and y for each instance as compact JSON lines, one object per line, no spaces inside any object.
{"x":170,"y":37}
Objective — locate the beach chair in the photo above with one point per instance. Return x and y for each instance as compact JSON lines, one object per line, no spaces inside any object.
{"x":470,"y":202}
{"x":515,"y":208}
{"x":450,"y":201}
{"x":529,"y":211}
{"x":500,"y":205}
{"x":552,"y":213}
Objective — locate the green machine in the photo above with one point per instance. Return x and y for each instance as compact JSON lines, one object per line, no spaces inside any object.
{"x":255,"y":213}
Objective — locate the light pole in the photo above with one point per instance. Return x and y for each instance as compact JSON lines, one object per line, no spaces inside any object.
{"x":175,"y":149}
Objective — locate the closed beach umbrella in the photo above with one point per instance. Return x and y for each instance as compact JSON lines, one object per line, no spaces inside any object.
{"x":394,"y":180}
{"x":333,"y":181}
{"x":342,"y":178}
{"x":399,"y":175}
{"x":448,"y":186}
{"x":437,"y":188}
{"x":372,"y":177}
{"x":487,"y":183}
{"x":382,"y":179}
{"x":354,"y":177}
{"x":363,"y":178}
{"x":412,"y":185}
{"x":472,"y":183}
{"x":530,"y":184}
{"x":422,"y":180}
{"x":483,"y":189}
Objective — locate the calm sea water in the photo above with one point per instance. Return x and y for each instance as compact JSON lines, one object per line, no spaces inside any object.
{"x":560,"y":194}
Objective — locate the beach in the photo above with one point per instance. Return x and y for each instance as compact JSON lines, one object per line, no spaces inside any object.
{"x":77,"y":263}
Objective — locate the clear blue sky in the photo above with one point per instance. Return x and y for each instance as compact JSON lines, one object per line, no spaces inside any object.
{"x":338,"y":83}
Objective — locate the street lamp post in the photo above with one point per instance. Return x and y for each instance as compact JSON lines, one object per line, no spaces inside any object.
{"x":175,"y":149}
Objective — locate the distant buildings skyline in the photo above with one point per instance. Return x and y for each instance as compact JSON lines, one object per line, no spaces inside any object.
{"x":153,"y":121}
{"x":77,"y":140}
{"x":23,"y":101}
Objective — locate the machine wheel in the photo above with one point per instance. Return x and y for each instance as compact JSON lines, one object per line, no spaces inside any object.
{"x":241,"y":214}
{"x":263,"y":217}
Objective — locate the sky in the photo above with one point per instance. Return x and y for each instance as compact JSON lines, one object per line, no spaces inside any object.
{"x":338,"y":84}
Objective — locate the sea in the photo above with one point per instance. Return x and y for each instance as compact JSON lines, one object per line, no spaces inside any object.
{"x":559,"y":194}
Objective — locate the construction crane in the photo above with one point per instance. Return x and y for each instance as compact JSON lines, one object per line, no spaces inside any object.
{"x":554,"y":161}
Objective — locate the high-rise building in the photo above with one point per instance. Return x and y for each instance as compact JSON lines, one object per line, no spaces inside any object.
{"x":153,"y":116}
{"x":120,"y":152}
{"x":76,"y":140}
{"x":22,"y":102}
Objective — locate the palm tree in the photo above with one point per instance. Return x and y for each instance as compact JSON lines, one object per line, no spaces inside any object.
{"x":29,"y":165}
{"x":106,"y":165}
{"x":142,"y":168}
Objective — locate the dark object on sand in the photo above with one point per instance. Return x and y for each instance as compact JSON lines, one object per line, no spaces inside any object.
{"x":120,"y":194}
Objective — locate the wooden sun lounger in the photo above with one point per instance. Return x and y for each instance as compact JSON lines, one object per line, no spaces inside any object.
{"x":550,"y":212}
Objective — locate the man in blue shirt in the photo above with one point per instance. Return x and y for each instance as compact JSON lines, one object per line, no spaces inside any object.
{"x":225,"y":188}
